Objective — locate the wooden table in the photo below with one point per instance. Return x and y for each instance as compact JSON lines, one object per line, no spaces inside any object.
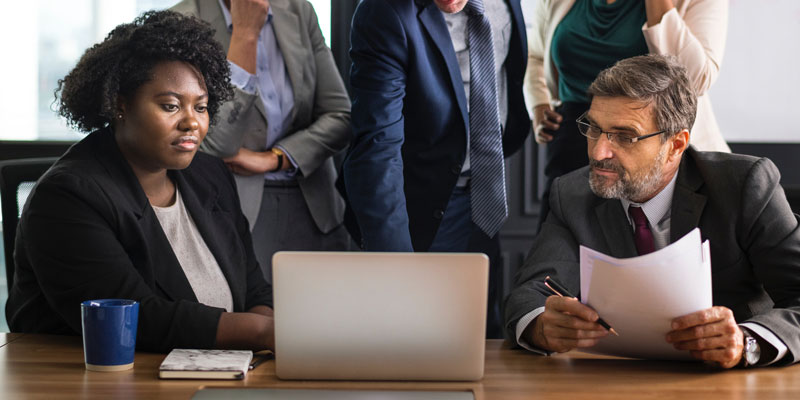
{"x":48,"y":367}
{"x":8,"y":337}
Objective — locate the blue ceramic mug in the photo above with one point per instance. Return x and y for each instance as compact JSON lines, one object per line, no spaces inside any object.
{"x":109,"y":333}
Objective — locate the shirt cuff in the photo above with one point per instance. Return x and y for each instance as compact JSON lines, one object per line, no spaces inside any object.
{"x":292,"y":172}
{"x":522,"y":324}
{"x":242,"y":79}
{"x":769,"y":337}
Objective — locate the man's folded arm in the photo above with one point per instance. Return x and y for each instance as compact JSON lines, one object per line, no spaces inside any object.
{"x":235,"y":117}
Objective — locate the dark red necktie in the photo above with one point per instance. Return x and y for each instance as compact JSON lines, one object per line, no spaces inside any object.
{"x":642,"y":235}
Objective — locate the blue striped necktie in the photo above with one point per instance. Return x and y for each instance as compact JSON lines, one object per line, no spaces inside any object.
{"x":488,"y":186}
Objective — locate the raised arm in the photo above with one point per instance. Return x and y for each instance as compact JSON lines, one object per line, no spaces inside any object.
{"x":329,"y":131}
{"x":696,"y":38}
{"x":239,"y":116}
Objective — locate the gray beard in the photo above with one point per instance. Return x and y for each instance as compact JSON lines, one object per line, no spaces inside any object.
{"x":627,"y":186}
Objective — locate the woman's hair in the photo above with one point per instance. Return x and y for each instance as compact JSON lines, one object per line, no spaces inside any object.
{"x":88,"y":96}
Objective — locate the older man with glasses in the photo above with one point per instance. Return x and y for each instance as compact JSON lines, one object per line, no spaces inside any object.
{"x":644,"y":188}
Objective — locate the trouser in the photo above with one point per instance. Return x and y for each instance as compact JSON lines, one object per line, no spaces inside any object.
{"x":457,"y":233}
{"x":285,"y":223}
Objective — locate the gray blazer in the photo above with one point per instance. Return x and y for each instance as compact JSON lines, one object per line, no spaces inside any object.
{"x":740,"y":207}
{"x":320,"y":119}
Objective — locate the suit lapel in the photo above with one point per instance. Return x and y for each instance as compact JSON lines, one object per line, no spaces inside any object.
{"x":615,"y":228}
{"x":687,"y":208}
{"x":159,"y":262}
{"x":432,"y":20}
{"x":210,"y":11}
{"x":202,"y":206}
{"x":687,"y":204}
{"x":286,"y":26}
{"x":109,"y":155}
{"x":169,"y":275}
{"x":518,"y":30}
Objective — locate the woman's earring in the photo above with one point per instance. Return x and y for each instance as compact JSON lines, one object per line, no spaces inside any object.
{"x":119,"y":116}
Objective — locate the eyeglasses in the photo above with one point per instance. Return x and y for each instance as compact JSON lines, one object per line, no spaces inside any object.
{"x":620,"y":139}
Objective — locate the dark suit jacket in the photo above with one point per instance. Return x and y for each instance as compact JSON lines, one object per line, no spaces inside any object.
{"x":88,"y":232}
{"x":739,"y":206}
{"x":409,"y":119}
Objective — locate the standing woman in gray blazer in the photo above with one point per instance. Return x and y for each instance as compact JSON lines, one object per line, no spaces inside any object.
{"x":290,"y":114}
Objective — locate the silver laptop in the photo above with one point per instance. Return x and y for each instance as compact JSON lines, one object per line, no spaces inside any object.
{"x":380,"y":316}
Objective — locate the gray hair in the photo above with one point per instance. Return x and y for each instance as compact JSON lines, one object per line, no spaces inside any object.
{"x":655,"y":80}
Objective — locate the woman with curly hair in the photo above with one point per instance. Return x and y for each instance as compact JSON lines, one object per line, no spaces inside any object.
{"x":133,"y":210}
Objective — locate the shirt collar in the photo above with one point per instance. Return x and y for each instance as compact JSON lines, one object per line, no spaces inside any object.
{"x":656,"y":208}
{"x":227,"y":15}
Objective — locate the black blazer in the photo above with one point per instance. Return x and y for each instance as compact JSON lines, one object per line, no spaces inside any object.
{"x":739,"y":206}
{"x":88,"y":232}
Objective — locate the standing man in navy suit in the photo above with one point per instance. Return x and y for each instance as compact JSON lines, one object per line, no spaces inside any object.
{"x":437,"y":105}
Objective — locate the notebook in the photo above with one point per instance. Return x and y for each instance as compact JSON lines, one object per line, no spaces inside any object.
{"x":380,"y":316}
{"x":205,"y":364}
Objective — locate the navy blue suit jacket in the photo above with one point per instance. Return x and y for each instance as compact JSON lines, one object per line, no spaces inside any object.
{"x":410,"y":117}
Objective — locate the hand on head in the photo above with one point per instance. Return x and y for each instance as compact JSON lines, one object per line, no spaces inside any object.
{"x":248,"y":16}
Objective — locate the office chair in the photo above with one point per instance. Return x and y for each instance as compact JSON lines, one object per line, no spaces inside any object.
{"x":793,"y":195}
{"x":17,"y":178}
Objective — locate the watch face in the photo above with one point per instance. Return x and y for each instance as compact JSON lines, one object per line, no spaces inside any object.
{"x":752,"y":351}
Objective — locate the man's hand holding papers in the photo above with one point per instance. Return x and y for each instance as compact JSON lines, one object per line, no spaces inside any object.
{"x":710,"y":335}
{"x":668,"y":292}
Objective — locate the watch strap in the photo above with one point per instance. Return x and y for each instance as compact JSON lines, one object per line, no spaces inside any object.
{"x":278,"y":153}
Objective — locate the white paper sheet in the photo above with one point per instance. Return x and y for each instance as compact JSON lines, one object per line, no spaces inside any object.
{"x":640,"y":296}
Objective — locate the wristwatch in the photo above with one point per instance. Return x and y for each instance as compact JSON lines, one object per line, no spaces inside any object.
{"x":280,"y":155}
{"x":751,"y":353}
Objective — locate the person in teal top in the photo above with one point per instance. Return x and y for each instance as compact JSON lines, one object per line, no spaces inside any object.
{"x":573,"y":40}
{"x":592,"y":37}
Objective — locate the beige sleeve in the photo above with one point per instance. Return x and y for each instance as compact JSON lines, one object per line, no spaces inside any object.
{"x":695,"y":33}
{"x":535,"y":83}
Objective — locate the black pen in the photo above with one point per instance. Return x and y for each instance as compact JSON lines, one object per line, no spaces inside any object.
{"x":260,"y":360}
{"x":561,"y":291}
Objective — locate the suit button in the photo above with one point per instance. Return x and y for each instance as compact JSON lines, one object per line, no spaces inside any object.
{"x":455,"y":169}
{"x":438,"y":214}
